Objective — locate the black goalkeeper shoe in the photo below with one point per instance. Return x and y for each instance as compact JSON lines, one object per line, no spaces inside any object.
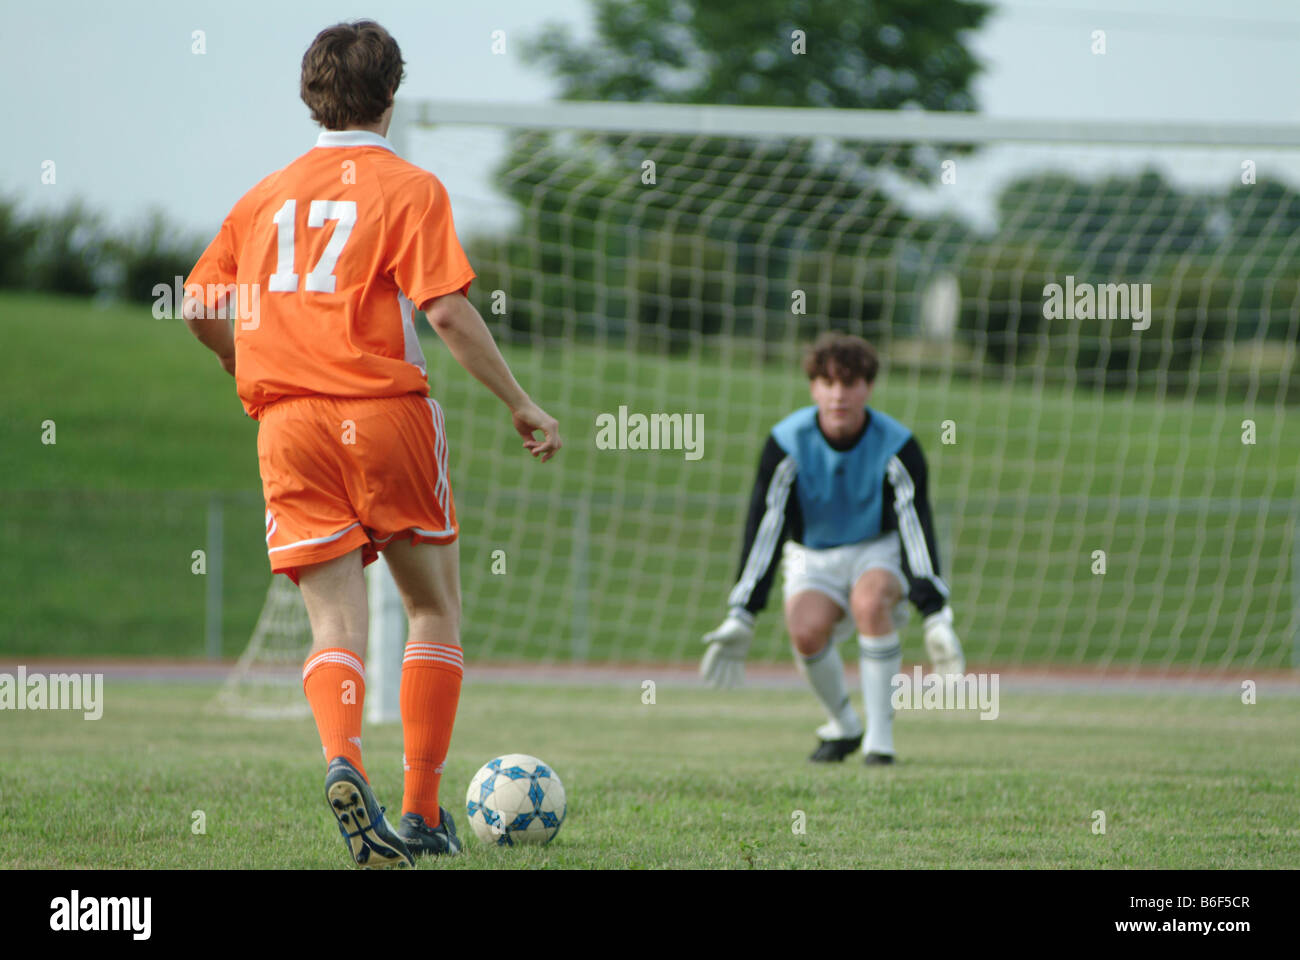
{"x":423,"y":840}
{"x":370,"y":838}
{"x":878,"y":759}
{"x":834,"y":751}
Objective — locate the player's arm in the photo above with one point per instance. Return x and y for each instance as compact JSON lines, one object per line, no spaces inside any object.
{"x":906,"y":508}
{"x":213,"y":329}
{"x":462,"y":329}
{"x":213,"y":276}
{"x":773,"y":516}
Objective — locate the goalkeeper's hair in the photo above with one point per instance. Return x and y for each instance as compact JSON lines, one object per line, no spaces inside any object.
{"x":841,"y":356}
{"x":350,"y":73}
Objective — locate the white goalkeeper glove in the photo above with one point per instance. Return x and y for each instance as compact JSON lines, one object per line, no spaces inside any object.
{"x":942,"y":646}
{"x":724,"y":662}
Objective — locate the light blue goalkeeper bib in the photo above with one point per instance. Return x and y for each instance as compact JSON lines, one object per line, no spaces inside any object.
{"x":839,"y":491}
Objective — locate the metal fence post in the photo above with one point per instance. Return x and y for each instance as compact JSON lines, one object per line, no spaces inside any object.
{"x":215,"y":563}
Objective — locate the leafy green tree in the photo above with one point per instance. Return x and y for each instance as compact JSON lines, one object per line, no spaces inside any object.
{"x":877,"y":54}
{"x":1222,"y":267}
{"x":1117,"y":226}
{"x":68,"y":252}
{"x":153,"y":253}
{"x":755,"y":208}
{"x":17,"y":237}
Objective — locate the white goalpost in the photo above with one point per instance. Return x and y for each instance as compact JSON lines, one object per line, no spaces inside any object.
{"x":1113,"y":465}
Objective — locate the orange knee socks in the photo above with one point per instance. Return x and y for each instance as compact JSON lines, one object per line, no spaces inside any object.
{"x":335,"y":683}
{"x":431,"y":676}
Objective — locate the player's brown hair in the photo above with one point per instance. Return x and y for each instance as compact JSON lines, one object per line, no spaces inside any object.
{"x":350,"y":73}
{"x":841,"y":356}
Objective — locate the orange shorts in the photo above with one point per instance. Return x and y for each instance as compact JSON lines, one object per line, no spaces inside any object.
{"x":340,"y":473}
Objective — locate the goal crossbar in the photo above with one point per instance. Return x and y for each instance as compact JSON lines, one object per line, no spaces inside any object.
{"x":917,"y":126}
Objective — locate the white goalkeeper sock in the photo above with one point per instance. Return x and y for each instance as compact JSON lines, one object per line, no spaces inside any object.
{"x":825,"y":673}
{"x":880,"y":659}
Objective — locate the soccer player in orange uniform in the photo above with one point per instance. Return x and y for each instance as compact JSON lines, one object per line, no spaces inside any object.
{"x":320,"y":267}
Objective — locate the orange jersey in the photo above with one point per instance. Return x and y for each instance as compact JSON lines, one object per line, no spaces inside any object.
{"x":329,"y":257}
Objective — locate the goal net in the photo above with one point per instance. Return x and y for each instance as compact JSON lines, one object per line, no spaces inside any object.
{"x":266,"y":682}
{"x":269,"y":671}
{"x":1090,"y":328}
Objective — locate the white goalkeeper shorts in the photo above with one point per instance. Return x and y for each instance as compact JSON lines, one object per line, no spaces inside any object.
{"x":833,"y":572}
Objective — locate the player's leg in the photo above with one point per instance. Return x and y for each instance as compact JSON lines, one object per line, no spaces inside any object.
{"x":428,"y":578}
{"x":399,"y":483}
{"x":334,"y":592}
{"x":315,"y":538}
{"x":819,"y":575}
{"x":876,"y":594}
{"x":811,"y":618}
{"x":333,"y":676}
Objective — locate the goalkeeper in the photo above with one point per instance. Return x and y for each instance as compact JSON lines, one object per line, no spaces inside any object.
{"x":843,"y":487}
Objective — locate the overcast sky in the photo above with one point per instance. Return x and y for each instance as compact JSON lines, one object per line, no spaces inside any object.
{"x":133,"y":119}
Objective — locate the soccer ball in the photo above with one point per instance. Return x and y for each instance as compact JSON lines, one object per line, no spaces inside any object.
{"x":515,"y":799}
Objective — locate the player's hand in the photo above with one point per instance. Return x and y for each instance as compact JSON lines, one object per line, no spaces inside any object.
{"x":724,"y":662}
{"x":942,"y":646}
{"x":528,"y":418}
{"x":228,"y":364}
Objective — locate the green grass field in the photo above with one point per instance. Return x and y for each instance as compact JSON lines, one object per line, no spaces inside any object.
{"x":698,"y":779}
{"x":634,"y":552}
{"x":627,"y":556}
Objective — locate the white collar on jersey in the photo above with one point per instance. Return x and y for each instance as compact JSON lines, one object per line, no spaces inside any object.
{"x":351,"y":138}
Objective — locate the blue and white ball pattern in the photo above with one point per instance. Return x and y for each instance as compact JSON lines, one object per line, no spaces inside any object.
{"x":515,"y":799}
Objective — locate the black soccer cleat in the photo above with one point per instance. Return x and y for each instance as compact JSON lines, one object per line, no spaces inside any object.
{"x":878,"y":759}
{"x":834,"y":751}
{"x":423,"y":840}
{"x":370,"y":838}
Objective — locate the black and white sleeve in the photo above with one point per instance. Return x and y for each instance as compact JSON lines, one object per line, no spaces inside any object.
{"x":906,"y":508}
{"x":773,"y":516}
